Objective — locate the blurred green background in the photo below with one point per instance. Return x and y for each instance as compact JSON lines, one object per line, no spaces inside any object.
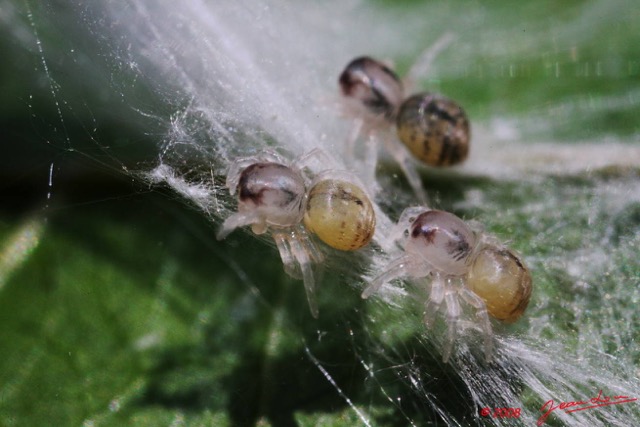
{"x":118,"y":307}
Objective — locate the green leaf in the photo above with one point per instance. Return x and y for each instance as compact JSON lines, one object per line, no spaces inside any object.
{"x":119,"y":307}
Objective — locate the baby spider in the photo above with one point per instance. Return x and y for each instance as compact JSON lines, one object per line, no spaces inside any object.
{"x":432,"y":127}
{"x":272,"y":195}
{"x":461,"y":266}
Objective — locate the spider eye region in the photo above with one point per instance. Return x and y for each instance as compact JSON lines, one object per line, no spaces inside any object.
{"x":274,"y":191}
{"x":443,"y":240}
{"x":374,"y":84}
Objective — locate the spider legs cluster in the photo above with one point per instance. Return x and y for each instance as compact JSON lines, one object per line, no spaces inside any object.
{"x":278,"y":196}
{"x":458,"y":265}
{"x":299,"y":255}
{"x":461,"y":268}
{"x":430,"y":128}
{"x":450,"y":291}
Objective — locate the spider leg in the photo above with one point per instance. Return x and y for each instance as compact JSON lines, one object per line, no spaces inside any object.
{"x":283,"y":243}
{"x":240,"y":219}
{"x":435,"y":300}
{"x":421,"y":67}
{"x":371,"y":163}
{"x":298,"y":256}
{"x":404,"y":160}
{"x":317,"y":156}
{"x":401,"y":267}
{"x":305,"y":253}
{"x":354,"y":134}
{"x":483,"y":317}
{"x":453,"y":313}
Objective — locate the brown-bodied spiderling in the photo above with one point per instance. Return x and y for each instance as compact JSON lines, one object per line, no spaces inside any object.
{"x":432,"y":128}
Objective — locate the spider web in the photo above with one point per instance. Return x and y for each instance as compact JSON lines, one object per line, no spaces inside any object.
{"x":210,"y":82}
